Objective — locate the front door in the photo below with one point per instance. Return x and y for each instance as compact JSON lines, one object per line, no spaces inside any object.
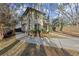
{"x":37,"y":32}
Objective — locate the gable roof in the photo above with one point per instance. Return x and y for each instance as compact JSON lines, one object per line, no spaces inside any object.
{"x":31,"y":9}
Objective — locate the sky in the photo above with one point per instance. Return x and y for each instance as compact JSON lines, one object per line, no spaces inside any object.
{"x":48,"y":8}
{"x":52,"y":7}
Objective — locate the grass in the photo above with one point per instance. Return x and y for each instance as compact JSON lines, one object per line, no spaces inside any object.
{"x":53,"y":35}
{"x":15,"y":50}
{"x":72,"y":52}
{"x":8,"y":47}
{"x":7,"y":41}
{"x":70,"y":30}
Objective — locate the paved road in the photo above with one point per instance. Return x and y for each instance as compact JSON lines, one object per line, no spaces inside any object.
{"x":67,"y":42}
{"x":20,"y":35}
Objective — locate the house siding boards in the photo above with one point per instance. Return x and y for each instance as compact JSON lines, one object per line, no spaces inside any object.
{"x":34,"y":16}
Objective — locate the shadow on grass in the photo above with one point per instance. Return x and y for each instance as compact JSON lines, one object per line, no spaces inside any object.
{"x":8,"y":47}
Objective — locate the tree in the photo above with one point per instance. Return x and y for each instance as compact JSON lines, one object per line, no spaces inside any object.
{"x":4,"y":18}
{"x":68,"y":12}
{"x":4,"y":14}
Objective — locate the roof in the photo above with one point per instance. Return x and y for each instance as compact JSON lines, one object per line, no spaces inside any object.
{"x":29,"y":9}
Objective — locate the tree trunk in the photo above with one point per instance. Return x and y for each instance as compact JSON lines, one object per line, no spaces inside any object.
{"x":1,"y":32}
{"x":61,"y":28}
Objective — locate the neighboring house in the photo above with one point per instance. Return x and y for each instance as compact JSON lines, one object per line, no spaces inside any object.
{"x":32,"y":19}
